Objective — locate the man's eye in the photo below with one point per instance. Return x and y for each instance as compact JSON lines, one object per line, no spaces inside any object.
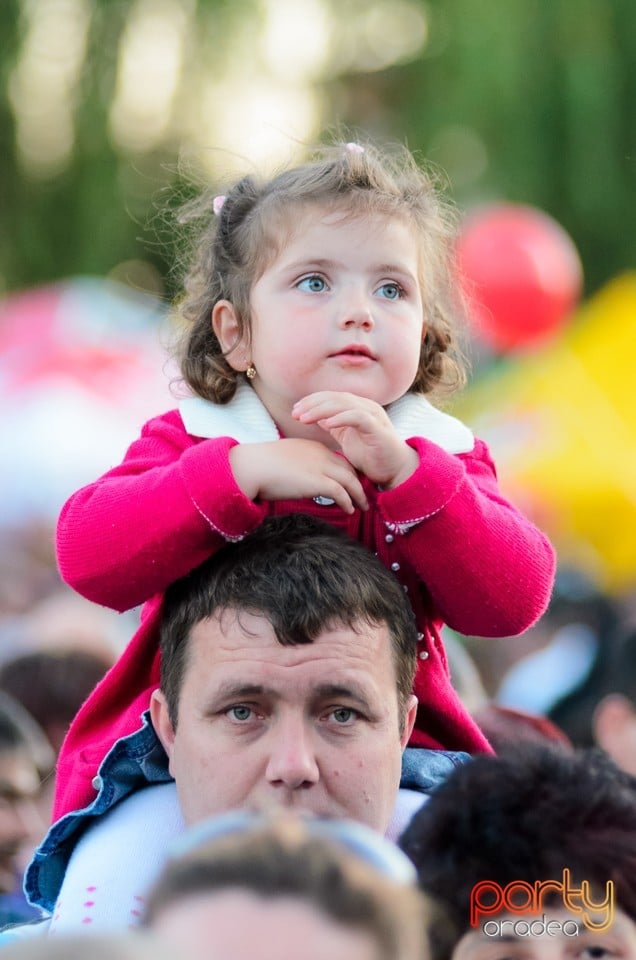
{"x":391,"y":291}
{"x":240,"y":713}
{"x":313,"y":284}
{"x":596,"y":952}
{"x":344,"y":715}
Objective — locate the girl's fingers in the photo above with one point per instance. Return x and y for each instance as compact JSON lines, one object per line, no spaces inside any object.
{"x":357,"y":419}
{"x":336,"y":492}
{"x":321,"y":405}
{"x":350,"y":483}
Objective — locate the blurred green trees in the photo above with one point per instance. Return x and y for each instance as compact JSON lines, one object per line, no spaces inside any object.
{"x":522,"y":100}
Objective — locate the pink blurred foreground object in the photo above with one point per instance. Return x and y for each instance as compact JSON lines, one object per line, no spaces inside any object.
{"x":522,"y":274}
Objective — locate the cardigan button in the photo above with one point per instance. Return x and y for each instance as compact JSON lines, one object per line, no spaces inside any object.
{"x":389,"y":538}
{"x":395,"y":567}
{"x":423,"y":655}
{"x":97,"y":782}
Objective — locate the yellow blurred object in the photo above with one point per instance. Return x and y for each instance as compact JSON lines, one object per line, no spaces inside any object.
{"x":561,"y":424}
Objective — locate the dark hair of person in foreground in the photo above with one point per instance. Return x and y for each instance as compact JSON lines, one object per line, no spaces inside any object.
{"x":525,"y":817}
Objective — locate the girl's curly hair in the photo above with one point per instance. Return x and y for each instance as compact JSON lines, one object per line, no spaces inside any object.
{"x":232,"y":249}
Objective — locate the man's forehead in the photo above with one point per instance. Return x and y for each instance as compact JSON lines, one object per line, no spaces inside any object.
{"x":230,"y":627}
{"x":242,"y":638}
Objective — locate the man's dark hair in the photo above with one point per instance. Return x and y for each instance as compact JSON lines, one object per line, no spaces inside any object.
{"x":303,"y":575}
{"x":527,"y":816}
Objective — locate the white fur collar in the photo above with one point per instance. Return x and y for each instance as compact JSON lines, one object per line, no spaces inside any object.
{"x":246,"y":420}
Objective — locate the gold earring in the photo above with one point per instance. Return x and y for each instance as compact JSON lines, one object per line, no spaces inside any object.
{"x":250,"y":373}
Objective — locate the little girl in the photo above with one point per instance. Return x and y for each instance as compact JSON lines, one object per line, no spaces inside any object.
{"x":320,"y":311}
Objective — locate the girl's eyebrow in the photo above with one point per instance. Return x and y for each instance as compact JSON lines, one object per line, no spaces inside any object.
{"x":324,"y":263}
{"x":394,"y":268}
{"x":306,"y":263}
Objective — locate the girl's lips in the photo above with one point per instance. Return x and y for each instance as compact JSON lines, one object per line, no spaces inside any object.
{"x":353,"y":359}
{"x":355,"y":351}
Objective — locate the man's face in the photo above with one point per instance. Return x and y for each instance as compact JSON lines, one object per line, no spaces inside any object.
{"x":312,"y":728}
{"x":20,"y":820}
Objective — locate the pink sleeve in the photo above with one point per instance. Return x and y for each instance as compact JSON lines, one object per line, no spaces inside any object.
{"x":170,"y":504}
{"x":488,"y":569}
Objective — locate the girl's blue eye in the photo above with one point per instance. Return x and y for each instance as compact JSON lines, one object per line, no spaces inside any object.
{"x":313,"y":284}
{"x":390,"y":291}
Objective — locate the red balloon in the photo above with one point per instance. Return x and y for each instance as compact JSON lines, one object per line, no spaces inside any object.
{"x":522,"y":274}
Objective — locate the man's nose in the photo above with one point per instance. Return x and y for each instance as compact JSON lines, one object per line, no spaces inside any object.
{"x":292,"y":761}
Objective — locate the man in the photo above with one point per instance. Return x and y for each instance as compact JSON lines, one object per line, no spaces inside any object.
{"x":531,"y":854}
{"x":287,"y":668}
{"x":22,"y":748}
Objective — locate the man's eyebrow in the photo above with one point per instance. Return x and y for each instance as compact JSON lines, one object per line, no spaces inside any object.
{"x":347,"y":691}
{"x":240,"y":690}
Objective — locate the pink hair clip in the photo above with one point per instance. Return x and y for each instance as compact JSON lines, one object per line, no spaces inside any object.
{"x":217,"y":204}
{"x":354,"y":148}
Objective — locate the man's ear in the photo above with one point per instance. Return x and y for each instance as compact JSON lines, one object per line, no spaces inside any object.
{"x":160,"y":716}
{"x":409,"y":720}
{"x":227,"y":330}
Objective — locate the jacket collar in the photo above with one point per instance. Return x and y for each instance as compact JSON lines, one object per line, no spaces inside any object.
{"x":246,"y":420}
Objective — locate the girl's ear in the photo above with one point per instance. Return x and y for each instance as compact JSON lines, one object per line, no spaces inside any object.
{"x":227,"y":330}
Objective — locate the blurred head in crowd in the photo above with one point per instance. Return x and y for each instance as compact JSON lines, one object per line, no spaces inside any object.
{"x":580,"y":620}
{"x":525,"y":818}
{"x":21,"y":752}
{"x":271,"y":889}
{"x":602,"y":709}
{"x":507,"y":728}
{"x":503,"y":726}
{"x":52,"y":685}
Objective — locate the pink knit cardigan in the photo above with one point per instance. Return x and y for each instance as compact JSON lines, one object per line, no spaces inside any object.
{"x":465,"y":555}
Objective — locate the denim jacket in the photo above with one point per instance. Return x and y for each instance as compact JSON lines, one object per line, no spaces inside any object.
{"x":139,"y":759}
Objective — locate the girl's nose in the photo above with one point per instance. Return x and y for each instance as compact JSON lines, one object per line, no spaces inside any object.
{"x":356,"y":312}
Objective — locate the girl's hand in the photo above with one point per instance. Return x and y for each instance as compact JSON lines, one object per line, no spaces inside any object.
{"x":292,"y":469}
{"x":363,"y":432}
